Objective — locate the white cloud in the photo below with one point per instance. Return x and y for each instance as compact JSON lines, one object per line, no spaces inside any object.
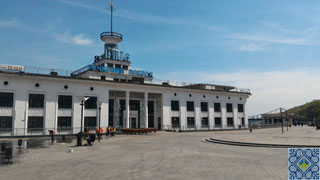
{"x":273,"y":89}
{"x":9,"y":23}
{"x":77,"y":39}
{"x":270,"y":89}
{"x":273,"y":39}
{"x":252,"y":47}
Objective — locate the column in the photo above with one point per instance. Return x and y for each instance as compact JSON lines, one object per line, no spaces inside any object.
{"x":146,"y":109}
{"x":127,"y":109}
{"x":235,"y":115}
{"x":223,"y":115}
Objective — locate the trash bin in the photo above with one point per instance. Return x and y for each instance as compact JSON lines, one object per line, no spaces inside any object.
{"x":79,"y":139}
{"x":19,"y":143}
{"x":8,"y":154}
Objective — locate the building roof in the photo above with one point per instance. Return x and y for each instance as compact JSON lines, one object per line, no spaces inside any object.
{"x":155,"y":83}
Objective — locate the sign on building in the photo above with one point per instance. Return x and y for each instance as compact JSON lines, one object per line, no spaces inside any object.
{"x":11,"y":68}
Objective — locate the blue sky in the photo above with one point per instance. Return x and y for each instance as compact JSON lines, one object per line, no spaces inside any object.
{"x":269,"y":46}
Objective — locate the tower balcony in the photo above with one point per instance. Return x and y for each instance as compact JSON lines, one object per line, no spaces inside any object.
{"x":111,"y":37}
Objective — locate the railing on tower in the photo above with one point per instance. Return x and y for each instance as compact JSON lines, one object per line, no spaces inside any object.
{"x":111,"y":34}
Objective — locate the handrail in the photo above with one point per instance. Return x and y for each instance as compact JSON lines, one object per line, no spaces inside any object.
{"x":112,"y":34}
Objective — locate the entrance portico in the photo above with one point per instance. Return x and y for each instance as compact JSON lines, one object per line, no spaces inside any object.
{"x":132,"y":109}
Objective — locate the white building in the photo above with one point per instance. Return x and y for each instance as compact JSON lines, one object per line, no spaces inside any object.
{"x":35,"y":100}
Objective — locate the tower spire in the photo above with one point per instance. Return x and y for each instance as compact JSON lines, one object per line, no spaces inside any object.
{"x":111,"y":8}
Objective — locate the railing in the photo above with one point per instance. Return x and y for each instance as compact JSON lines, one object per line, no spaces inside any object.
{"x":181,"y":84}
{"x":47,"y":71}
{"x":202,"y":128}
{"x":112,"y":34}
{"x":79,"y":71}
{"x":43,"y":131}
{"x":121,"y":56}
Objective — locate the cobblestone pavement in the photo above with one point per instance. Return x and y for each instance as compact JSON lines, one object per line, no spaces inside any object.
{"x":163,"y":155}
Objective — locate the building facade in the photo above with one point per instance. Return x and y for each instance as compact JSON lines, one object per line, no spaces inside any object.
{"x":35,"y":100}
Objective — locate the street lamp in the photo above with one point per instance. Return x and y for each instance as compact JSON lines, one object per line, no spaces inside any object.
{"x":82,"y":99}
{"x":99,"y":103}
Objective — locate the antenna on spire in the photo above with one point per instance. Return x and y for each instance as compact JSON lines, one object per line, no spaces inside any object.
{"x":111,"y":8}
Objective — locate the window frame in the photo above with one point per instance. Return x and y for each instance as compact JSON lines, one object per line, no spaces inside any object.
{"x":215,"y":122}
{"x":6,"y":102}
{"x":173,"y":105}
{"x":242,"y":108}
{"x":8,"y":123}
{"x":175,"y":119}
{"x":65,"y":105}
{"x":35,"y":118}
{"x":188,"y":106}
{"x":214,"y":107}
{"x":66,"y":127}
{"x":192,"y":125}
{"x":35,"y":102}
{"x":228,"y":108}
{"x":204,"y":106}
{"x":92,"y":105}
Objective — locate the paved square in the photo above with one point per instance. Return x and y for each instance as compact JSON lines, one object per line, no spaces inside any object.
{"x":163,"y":155}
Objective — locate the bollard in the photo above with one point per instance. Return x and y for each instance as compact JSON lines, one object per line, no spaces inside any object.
{"x":8,"y":154}
{"x":79,"y":139}
{"x":3,"y":147}
{"x":19,"y":143}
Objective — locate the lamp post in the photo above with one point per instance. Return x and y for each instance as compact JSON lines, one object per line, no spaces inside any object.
{"x":99,"y":103}
{"x":281,"y":120}
{"x":82,"y":99}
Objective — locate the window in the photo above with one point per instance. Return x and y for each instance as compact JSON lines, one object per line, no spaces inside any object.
{"x":190,"y":122}
{"x":125,"y":67}
{"x":150,"y":107}
{"x":175,"y":121}
{"x":35,"y":122}
{"x":5,"y":123}
{"x":190,"y":106}
{"x":229,"y":107}
{"x":110,"y":65}
{"x":230,"y":122}
{"x":90,"y":121}
{"x":134,"y":105}
{"x":118,"y":66}
{"x":174,"y":105}
{"x":64,"y":102}
{"x":205,"y":122}
{"x":150,"y":114}
{"x":204,"y":107}
{"x":91,"y":103}
{"x":6,"y":99}
{"x":240,"y":108}
{"x":36,"y":100}
{"x":217,"y":107}
{"x":217,"y":121}
{"x":64,"y":123}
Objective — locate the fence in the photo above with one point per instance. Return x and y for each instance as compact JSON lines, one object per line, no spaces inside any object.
{"x":42,"y":131}
{"x":202,"y":128}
